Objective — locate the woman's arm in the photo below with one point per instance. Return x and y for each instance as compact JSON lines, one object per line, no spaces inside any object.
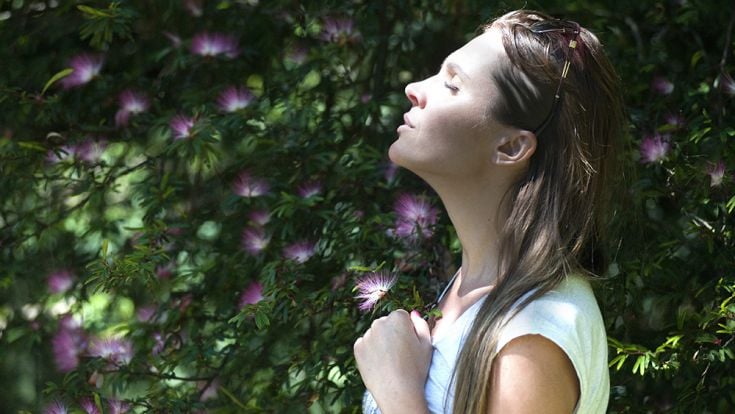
{"x":531,"y":374}
{"x":393,"y":358}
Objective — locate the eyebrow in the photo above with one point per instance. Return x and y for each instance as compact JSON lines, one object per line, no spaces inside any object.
{"x":454,"y":68}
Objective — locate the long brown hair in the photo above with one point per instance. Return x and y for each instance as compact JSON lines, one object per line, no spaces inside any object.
{"x":559,"y":207}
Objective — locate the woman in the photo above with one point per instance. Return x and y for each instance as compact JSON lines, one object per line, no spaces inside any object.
{"x":517,"y":134}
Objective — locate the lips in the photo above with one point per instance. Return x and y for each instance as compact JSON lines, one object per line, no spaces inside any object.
{"x":406,"y":120}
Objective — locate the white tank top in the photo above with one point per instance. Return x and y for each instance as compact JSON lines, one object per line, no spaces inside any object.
{"x":568,"y":316}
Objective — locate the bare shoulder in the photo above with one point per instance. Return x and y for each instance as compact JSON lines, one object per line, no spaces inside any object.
{"x":531,"y":374}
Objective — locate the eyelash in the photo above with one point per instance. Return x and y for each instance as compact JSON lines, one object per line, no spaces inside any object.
{"x":452,"y":88}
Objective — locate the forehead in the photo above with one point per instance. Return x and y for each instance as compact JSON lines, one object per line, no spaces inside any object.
{"x":480,"y":55}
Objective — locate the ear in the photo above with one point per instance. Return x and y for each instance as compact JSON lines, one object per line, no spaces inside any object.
{"x":515,"y":148}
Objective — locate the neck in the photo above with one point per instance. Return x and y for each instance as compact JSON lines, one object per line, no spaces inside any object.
{"x":472,"y":206}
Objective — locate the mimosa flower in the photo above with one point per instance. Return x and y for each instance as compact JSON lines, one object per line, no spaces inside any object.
{"x":233,"y":99}
{"x":662,"y":86}
{"x":415,"y":216}
{"x":675,"y":120}
{"x":67,"y":344}
{"x":372,"y":287}
{"x":309,"y":188}
{"x":90,"y":150}
{"x":131,"y":103}
{"x":254,"y":240}
{"x":85,"y":67}
{"x":300,"y":251}
{"x":181,"y":126}
{"x":246,"y":185}
{"x":260,"y":217}
{"x":654,"y":148}
{"x":214,"y":44}
{"x":252,"y":294}
{"x":89,"y":406}
{"x":389,"y":171}
{"x":118,"y":407}
{"x":55,"y":407}
{"x":727,"y":84}
{"x":60,"y":281}
{"x":118,"y":351}
{"x":716,"y":173}
{"x":339,"y":30}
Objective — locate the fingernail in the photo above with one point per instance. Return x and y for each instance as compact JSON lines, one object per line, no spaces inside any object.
{"x":415,"y":313}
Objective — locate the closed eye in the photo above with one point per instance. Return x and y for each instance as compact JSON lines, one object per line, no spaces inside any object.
{"x":452,"y":88}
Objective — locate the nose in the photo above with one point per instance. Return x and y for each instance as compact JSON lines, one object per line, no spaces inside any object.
{"x":415,"y":94}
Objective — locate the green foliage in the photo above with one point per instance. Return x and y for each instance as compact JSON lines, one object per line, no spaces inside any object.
{"x":148,"y":220}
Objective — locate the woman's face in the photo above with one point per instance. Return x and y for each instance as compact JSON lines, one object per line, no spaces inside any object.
{"x":447,"y":130}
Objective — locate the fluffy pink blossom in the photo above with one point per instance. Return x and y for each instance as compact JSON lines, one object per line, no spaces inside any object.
{"x":68,"y":344}
{"x":675,"y":120}
{"x":85,"y":67}
{"x":372,"y":287}
{"x":339,"y":30}
{"x":254,"y":240}
{"x":662,"y":86}
{"x":654,"y":148}
{"x":234,"y":98}
{"x":716,"y":173}
{"x":60,"y":281}
{"x":415,"y":217}
{"x":260,"y":217}
{"x":252,"y":294}
{"x":214,"y":44}
{"x":89,"y":406}
{"x":727,"y":84}
{"x":55,"y":407}
{"x":90,"y":150}
{"x":246,"y":185}
{"x":131,"y":103}
{"x":389,"y":171}
{"x":117,"y":406}
{"x":309,"y":189}
{"x":181,"y":126}
{"x":300,"y":251}
{"x":118,"y":351}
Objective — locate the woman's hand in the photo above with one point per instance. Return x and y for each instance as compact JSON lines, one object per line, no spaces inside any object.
{"x":393,"y":358}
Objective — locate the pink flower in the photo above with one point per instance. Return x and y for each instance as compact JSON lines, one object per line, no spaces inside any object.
{"x":300,"y":251}
{"x":131,"y":103}
{"x":181,"y":126}
{"x":675,"y":120}
{"x":662,"y":86}
{"x":247,"y":186}
{"x":415,"y":217}
{"x":260,"y":217}
{"x":146,"y":313}
{"x":89,"y":406}
{"x":118,"y":407}
{"x":309,"y":189}
{"x":233,"y":99}
{"x":118,"y":351}
{"x":214,"y":44}
{"x":60,"y":281}
{"x":727,"y":84}
{"x":339,"y":30}
{"x":716,"y":173}
{"x":372,"y":287}
{"x":252,"y":294}
{"x":90,"y":150}
{"x":654,"y":148}
{"x":67,"y":344}
{"x":85,"y":67}
{"x":55,"y":407}
{"x":254,"y":240}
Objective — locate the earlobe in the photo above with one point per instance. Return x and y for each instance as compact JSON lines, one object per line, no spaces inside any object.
{"x":515,"y":148}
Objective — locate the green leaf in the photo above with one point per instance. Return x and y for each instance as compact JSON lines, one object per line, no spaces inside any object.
{"x":59,"y":75}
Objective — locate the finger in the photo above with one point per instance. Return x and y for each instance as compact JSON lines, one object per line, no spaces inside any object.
{"x":420,"y":326}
